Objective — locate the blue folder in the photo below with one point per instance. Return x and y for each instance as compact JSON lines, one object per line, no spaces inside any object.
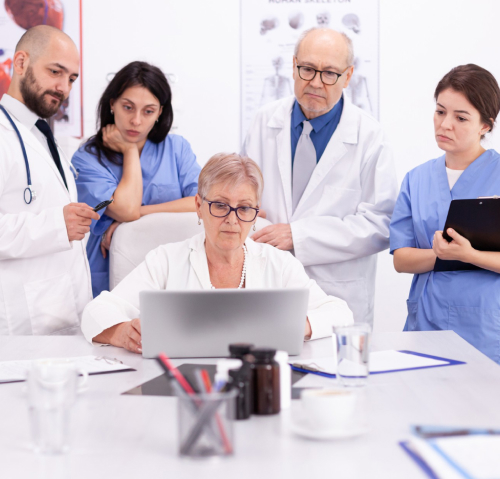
{"x":416,"y":457}
{"x":449,"y":362}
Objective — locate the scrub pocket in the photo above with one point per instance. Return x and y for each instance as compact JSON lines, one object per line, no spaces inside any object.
{"x":411,"y":319}
{"x":51,"y":305}
{"x":479,"y":327}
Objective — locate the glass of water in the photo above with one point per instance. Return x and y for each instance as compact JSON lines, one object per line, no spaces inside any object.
{"x":52,"y":389}
{"x":353,"y":349}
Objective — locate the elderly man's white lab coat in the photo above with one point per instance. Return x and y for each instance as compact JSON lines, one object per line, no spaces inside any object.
{"x":44,"y":278}
{"x":342,"y":219}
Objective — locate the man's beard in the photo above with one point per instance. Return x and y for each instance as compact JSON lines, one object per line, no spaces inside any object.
{"x":34,"y":100}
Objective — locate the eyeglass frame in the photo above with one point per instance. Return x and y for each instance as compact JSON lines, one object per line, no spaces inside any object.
{"x":320,"y":74}
{"x":231,"y":209}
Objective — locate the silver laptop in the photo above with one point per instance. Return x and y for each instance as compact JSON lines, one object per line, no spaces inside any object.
{"x":202,"y":324}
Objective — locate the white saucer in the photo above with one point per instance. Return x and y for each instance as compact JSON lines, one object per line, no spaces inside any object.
{"x":301,"y":427}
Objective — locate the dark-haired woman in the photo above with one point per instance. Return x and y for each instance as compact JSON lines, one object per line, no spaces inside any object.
{"x":133,"y":159}
{"x":465,"y":301}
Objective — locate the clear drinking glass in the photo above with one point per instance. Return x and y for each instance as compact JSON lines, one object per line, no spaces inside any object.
{"x":206,"y":424}
{"x":52,"y":390}
{"x":353,"y":349}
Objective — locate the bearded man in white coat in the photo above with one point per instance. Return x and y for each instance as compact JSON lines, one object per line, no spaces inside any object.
{"x":329,"y":174}
{"x":44,"y":273}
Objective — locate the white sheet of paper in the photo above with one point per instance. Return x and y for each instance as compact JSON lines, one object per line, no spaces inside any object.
{"x":478,"y":455}
{"x":18,"y":370}
{"x":379,"y":361}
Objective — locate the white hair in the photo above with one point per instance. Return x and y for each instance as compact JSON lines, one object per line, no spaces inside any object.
{"x":348,"y":42}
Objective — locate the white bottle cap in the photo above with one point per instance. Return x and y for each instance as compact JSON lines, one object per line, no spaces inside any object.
{"x":226,"y":365}
{"x":281,"y":357}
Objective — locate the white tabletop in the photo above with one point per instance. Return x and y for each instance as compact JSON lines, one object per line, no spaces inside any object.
{"x":125,"y":436}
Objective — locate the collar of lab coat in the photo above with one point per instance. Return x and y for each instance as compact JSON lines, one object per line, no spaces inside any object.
{"x":20,"y":111}
{"x":256,"y":262}
{"x":347,"y":132}
{"x":33,"y":141}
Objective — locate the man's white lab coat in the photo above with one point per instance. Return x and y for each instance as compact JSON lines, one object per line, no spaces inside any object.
{"x":44,"y":278}
{"x":342,"y":219}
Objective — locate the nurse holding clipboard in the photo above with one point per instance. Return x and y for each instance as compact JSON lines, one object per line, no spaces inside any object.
{"x":467,"y":302}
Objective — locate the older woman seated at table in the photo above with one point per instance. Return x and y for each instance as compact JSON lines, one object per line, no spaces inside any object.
{"x":229,"y":192}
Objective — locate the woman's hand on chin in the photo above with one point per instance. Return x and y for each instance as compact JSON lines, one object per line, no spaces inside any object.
{"x":113,"y":139}
{"x":125,"y":335}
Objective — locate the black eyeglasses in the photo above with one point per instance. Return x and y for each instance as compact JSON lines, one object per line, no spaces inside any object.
{"x":220,"y":210}
{"x":327,"y":77}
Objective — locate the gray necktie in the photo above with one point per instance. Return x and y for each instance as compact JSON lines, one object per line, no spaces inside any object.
{"x":303,"y":164}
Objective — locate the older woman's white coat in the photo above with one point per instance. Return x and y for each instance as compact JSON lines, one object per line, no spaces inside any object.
{"x":183,"y":266}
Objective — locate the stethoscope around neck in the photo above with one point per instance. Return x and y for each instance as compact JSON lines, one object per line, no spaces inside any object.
{"x":29,"y":192}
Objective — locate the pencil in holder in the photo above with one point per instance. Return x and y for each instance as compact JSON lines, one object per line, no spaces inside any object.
{"x":205,"y":424}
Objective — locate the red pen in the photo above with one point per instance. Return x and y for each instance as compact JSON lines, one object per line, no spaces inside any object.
{"x":165,"y":361}
{"x":206,"y":380}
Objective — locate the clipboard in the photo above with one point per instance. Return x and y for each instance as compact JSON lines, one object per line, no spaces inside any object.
{"x":446,"y":362}
{"x":478,"y":220}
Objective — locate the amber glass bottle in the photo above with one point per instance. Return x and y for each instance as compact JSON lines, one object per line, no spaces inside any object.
{"x":266,"y":382}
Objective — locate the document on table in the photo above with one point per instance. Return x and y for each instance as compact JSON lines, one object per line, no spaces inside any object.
{"x":472,"y":456}
{"x":13,"y":371}
{"x":380,"y":362}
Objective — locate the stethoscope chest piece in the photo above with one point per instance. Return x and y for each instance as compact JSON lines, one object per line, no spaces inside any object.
{"x":29,"y":195}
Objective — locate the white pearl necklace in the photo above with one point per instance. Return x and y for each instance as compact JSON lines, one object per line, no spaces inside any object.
{"x":243,"y":272}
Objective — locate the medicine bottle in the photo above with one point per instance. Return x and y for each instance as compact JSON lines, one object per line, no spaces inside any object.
{"x":240,"y":380}
{"x":266,"y":382}
{"x":238,"y":350}
{"x":285,"y":379}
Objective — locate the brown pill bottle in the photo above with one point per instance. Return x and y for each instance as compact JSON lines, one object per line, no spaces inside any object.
{"x":266,"y":382}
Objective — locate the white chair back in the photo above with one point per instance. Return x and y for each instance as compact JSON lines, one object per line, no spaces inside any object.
{"x":133,"y":241}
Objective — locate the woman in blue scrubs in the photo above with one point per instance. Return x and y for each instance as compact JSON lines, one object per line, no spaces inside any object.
{"x":467,"y":302}
{"x":134,"y":160}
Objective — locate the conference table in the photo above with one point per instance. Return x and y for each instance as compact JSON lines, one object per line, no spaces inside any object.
{"x":130,"y":436}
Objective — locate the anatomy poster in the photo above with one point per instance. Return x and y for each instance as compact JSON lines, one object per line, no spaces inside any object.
{"x":270,"y":30}
{"x":16,"y":16}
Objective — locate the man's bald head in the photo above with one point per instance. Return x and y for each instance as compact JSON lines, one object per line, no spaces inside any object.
{"x":37,"y":40}
{"x":331,"y":36}
{"x":45,"y":66}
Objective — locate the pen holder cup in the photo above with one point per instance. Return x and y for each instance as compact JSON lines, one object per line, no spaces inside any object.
{"x":206,"y":424}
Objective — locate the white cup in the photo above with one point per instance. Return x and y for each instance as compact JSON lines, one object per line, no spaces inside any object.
{"x":53,"y":385}
{"x":329,"y":409}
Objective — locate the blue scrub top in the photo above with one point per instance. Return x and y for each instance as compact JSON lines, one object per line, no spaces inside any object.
{"x":169,"y":172}
{"x":467,"y":302}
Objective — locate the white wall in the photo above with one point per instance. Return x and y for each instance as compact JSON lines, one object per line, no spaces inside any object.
{"x":199,"y":42}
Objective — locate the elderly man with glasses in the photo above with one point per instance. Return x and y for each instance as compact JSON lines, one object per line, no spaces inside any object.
{"x":329,"y":173}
